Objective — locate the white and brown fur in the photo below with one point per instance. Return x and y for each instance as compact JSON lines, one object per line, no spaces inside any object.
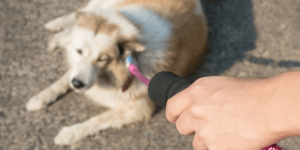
{"x":160,"y":35}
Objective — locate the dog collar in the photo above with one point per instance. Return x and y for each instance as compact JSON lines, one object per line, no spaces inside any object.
{"x":127,"y":83}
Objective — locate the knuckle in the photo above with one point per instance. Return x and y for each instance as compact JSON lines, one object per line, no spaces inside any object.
{"x":198,"y":87}
{"x":201,"y":89}
{"x":180,"y":128}
{"x":195,"y":88}
{"x":169,"y":110}
{"x":195,"y":144}
{"x":196,"y":111}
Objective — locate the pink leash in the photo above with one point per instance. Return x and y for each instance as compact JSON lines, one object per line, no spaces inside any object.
{"x":273,"y":147}
{"x":134,"y":70}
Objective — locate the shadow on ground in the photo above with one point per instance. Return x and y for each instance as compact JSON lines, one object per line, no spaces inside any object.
{"x":231,"y":34}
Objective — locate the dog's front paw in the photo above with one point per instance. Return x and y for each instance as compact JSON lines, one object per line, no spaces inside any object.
{"x":68,"y":136}
{"x":35,"y":104}
{"x":41,"y":100}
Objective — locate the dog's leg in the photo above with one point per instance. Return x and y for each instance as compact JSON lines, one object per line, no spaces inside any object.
{"x":125,"y":113}
{"x":50,"y":94}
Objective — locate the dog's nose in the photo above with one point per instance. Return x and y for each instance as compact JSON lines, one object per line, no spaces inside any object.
{"x":77,"y":83}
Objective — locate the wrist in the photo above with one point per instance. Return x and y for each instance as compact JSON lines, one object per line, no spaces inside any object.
{"x":282,"y":107}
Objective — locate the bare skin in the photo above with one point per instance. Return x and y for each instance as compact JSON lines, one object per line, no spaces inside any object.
{"x":238,"y":113}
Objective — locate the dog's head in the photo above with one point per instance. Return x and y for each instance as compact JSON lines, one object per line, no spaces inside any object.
{"x":97,"y":45}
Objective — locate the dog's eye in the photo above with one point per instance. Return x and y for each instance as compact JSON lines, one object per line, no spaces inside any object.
{"x":121,"y":49}
{"x":102,"y":58}
{"x":79,"y":51}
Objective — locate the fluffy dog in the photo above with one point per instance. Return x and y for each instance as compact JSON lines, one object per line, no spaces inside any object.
{"x":161,"y":35}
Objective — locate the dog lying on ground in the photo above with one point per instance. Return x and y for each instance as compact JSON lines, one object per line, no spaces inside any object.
{"x":161,"y":35}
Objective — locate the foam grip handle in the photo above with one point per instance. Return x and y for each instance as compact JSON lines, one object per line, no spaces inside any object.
{"x":165,"y":85}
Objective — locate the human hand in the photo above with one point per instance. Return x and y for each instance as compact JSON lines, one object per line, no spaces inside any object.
{"x":225,"y":113}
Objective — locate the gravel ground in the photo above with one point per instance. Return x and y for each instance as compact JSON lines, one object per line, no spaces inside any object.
{"x":257,"y":38}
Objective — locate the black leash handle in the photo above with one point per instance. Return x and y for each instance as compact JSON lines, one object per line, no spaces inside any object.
{"x":165,"y":85}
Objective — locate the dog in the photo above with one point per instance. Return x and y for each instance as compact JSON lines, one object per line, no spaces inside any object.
{"x":161,"y":35}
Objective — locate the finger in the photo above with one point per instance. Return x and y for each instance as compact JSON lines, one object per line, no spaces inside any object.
{"x":198,"y":143}
{"x":185,"y":123}
{"x":177,"y":105}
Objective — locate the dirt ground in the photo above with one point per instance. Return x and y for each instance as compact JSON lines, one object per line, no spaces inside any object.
{"x":257,"y":38}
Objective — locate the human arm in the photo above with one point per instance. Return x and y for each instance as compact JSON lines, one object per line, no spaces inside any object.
{"x":238,"y":113}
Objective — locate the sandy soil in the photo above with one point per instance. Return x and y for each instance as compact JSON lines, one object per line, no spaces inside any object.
{"x":257,"y":38}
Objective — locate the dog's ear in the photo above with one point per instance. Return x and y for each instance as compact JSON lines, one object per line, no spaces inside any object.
{"x":61,"y":27}
{"x":87,"y":20}
{"x":134,"y":46}
{"x":127,"y":48}
{"x":59,"y":40}
{"x":79,"y":15}
{"x":61,"y":23}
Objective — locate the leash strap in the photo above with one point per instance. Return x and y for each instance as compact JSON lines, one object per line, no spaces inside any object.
{"x":134,"y":70}
{"x":273,"y":147}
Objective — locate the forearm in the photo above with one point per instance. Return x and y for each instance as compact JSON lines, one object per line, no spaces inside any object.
{"x":284,"y":103}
